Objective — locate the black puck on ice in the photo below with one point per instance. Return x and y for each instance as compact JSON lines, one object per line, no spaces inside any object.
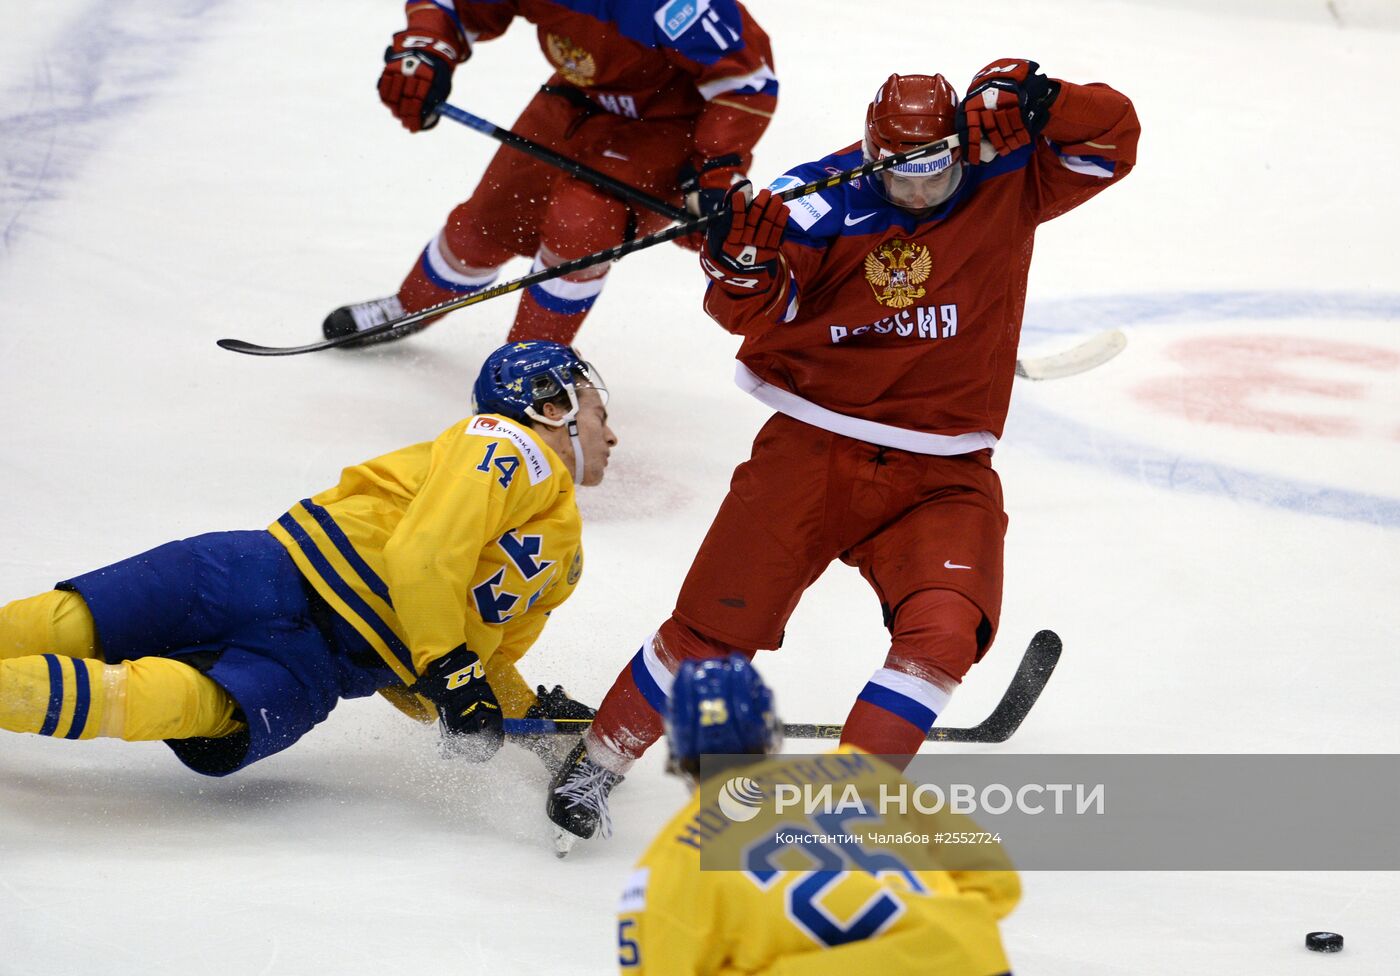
{"x":1324,"y":942}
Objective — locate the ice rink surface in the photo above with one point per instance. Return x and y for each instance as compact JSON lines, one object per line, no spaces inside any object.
{"x":1211,"y":521}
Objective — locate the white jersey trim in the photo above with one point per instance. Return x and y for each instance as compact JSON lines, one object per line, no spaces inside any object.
{"x":753,"y":81}
{"x":1088,"y":167}
{"x":884,"y":435}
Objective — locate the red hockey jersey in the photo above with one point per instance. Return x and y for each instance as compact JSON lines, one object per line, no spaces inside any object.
{"x":902,"y":330}
{"x":705,"y":60}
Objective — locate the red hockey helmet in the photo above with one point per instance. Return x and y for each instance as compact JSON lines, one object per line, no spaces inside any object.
{"x":909,"y":111}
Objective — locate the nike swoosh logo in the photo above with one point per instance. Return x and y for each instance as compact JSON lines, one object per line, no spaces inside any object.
{"x":263,"y":713}
{"x":858,"y":220}
{"x":949,"y":564}
{"x":616,"y":155}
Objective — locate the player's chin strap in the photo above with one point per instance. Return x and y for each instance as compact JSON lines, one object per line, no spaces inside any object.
{"x":578,"y":447}
{"x":570,"y":422}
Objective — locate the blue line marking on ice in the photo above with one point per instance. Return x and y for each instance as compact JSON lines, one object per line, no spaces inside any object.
{"x":95,"y":74}
{"x":1069,"y":440}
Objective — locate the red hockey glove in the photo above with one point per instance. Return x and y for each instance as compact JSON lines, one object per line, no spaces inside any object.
{"x":1007,"y":104}
{"x":417,"y":74}
{"x":741,"y":244}
{"x":704,"y":183}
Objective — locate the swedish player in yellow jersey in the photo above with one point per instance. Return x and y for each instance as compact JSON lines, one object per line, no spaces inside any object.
{"x":814,"y":909}
{"x":424,"y":574}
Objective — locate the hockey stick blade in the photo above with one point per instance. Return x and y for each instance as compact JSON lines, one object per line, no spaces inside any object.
{"x":253,"y":349}
{"x":1022,"y":693}
{"x":1036,"y":666}
{"x":1092,"y":352}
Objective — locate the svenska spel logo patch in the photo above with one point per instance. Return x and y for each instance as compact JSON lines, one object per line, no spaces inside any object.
{"x":536,"y":464}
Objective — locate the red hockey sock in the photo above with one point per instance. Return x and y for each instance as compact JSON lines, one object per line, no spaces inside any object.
{"x":432,"y":280}
{"x":630,"y":718}
{"x":554,"y":310}
{"x":934,"y":643}
{"x":534,"y":321}
{"x":878,"y":730}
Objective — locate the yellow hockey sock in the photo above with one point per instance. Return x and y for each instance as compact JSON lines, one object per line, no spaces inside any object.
{"x":56,"y":622}
{"x":63,"y":697}
{"x":142,"y":700}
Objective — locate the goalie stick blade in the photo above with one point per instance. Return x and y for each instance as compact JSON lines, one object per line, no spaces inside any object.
{"x":1037,"y":664}
{"x":1092,"y":352}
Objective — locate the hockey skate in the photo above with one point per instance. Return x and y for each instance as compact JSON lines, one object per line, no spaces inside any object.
{"x":578,"y":800}
{"x":349,"y":319}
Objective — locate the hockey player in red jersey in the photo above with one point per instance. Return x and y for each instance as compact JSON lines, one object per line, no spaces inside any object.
{"x":669,"y":96}
{"x":880,"y":320}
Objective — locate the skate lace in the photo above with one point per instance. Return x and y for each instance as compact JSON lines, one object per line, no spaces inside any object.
{"x":587,"y":787}
{"x":376,"y":312}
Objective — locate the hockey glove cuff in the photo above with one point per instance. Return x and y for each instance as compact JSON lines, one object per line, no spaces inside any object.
{"x":703,"y":185}
{"x":1007,"y":104}
{"x":741,"y":245}
{"x":469,"y":716}
{"x":417,"y":75}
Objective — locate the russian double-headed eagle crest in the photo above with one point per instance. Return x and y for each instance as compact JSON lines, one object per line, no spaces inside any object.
{"x":574,"y":63}
{"x":896,"y":270}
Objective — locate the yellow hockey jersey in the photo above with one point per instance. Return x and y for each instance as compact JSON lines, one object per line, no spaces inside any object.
{"x":678,"y":920}
{"x":471,"y":538}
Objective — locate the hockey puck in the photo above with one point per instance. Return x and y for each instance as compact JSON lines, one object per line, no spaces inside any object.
{"x":1324,"y":942}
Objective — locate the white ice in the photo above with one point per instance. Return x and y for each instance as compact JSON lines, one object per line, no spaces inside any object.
{"x":176,"y":172}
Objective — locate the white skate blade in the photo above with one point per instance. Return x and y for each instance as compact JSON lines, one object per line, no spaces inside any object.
{"x":564,"y":842}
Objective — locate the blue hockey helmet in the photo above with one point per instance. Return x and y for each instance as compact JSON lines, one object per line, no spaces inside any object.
{"x":519,"y":377}
{"x":719,"y":706}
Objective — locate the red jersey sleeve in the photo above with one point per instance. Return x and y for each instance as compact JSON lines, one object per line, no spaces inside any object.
{"x":476,"y":20}
{"x":729,"y":59}
{"x":753,"y":315}
{"x":1090,"y":143}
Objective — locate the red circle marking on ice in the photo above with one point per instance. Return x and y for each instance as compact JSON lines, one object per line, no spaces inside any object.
{"x":1223,"y":374}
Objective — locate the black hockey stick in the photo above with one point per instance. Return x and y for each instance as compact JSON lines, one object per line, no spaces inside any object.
{"x":1036,"y":666}
{"x":571,"y":166}
{"x":587,"y":261}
